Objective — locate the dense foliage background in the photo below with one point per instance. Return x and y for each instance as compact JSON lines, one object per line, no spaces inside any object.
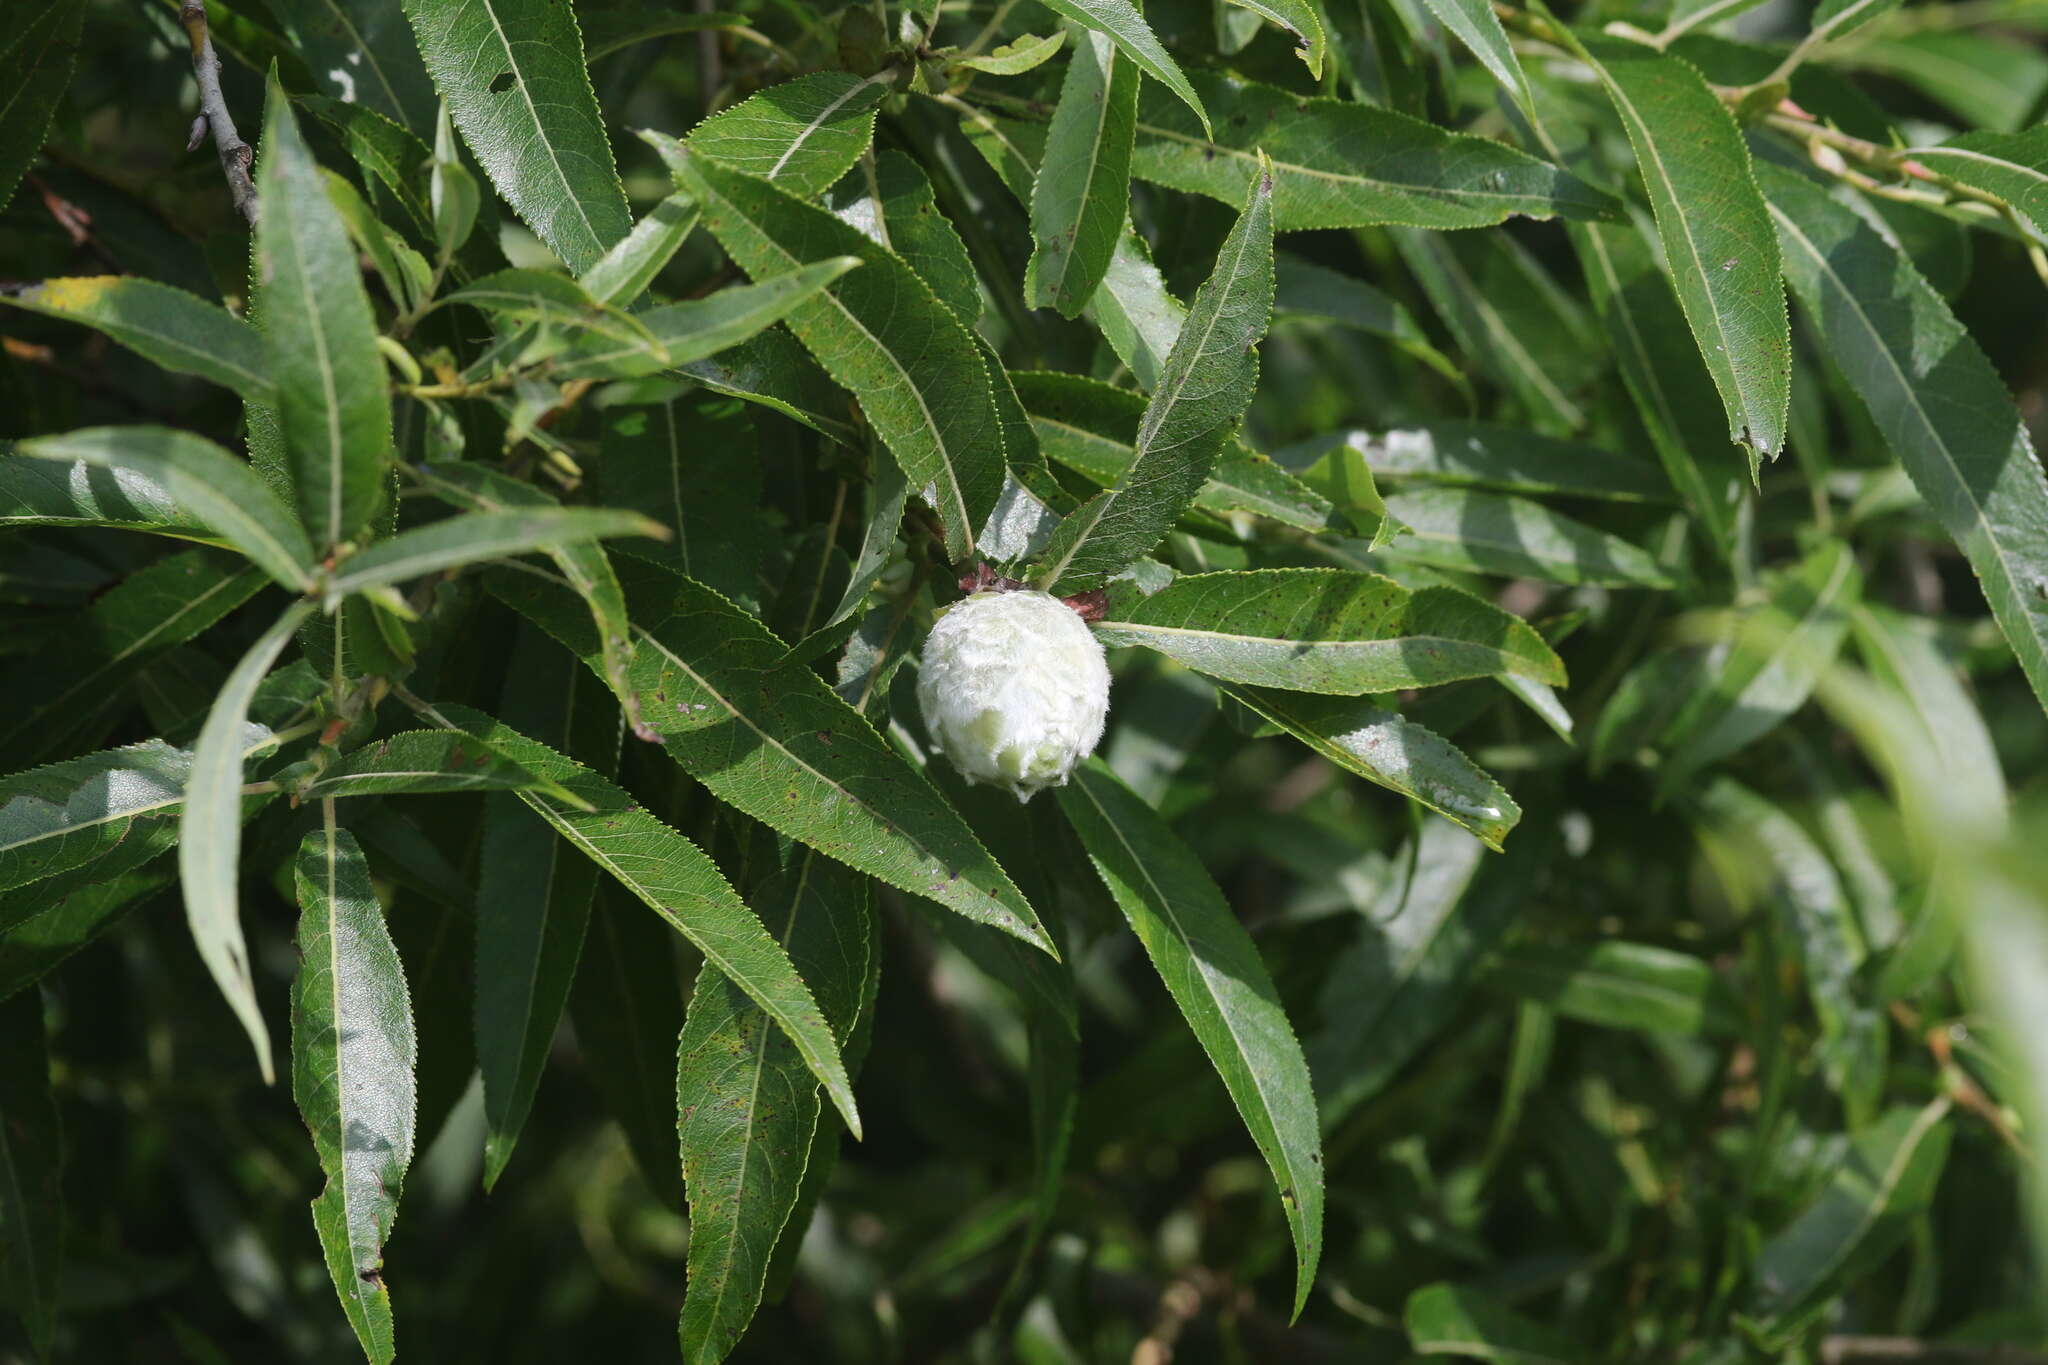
{"x":1563,"y":880}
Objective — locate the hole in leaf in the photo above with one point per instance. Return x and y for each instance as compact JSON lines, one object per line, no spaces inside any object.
{"x":502,"y":84}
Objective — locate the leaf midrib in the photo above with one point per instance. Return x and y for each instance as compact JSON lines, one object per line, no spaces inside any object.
{"x":1420,"y":191}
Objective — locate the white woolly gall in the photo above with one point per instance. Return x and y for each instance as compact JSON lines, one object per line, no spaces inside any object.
{"x":1014,"y":690}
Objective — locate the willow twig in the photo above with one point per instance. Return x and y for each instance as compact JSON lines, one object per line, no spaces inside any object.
{"x":236,"y":156}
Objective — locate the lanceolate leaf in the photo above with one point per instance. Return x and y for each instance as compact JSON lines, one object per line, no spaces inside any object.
{"x":1886,"y":1180}
{"x":173,"y":479}
{"x":177,"y":330}
{"x":54,"y":492}
{"x":93,"y":810}
{"x":1479,"y":29}
{"x":39,"y":50}
{"x":674,"y":877}
{"x":1330,"y":631}
{"x":210,"y":832}
{"x":512,"y":72}
{"x":66,"y":914}
{"x":31,"y":1164}
{"x":353,"y":1052}
{"x":418,"y":761}
{"x":765,"y":735}
{"x":1120,"y":22}
{"x":696,"y":328}
{"x":1483,"y":455}
{"x":320,"y":340}
{"x":541,"y":296}
{"x":1619,"y":985}
{"x":1080,"y":201}
{"x":2013,"y":166}
{"x":1717,"y":233}
{"x":1386,"y":747}
{"x":1458,"y":528}
{"x":1201,"y":396}
{"x":625,"y":271}
{"x":1299,"y":18}
{"x":470,"y":537}
{"x":749,"y":1108}
{"x":1779,"y":653}
{"x":152,"y":610}
{"x":534,"y":894}
{"x":1968,"y":453}
{"x":362,"y":52}
{"x":1672,"y":388}
{"x":1340,"y":164}
{"x":1213,"y":971}
{"x":802,"y":134}
{"x":882,"y":333}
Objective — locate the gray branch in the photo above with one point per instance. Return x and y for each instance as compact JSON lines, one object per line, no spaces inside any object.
{"x":236,"y":156}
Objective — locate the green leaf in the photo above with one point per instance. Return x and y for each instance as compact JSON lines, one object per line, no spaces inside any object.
{"x":387,"y":152}
{"x":1450,"y":1319}
{"x":513,"y":75}
{"x":694,"y":467}
{"x":1017,"y":57}
{"x":2013,"y":166}
{"x":353,"y":1052}
{"x":802,"y":134}
{"x":765,"y":735}
{"x":1716,"y":231}
{"x":417,"y":761}
{"x":1307,"y":291}
{"x":39,"y":50}
{"x":85,"y":672}
{"x":1386,"y":747}
{"x":1299,"y":18}
{"x":1884,"y":1183}
{"x":320,"y":341}
{"x":541,"y":296}
{"x":31,"y":1171}
{"x":614,"y":31}
{"x":1665,"y":374}
{"x":1339,"y":164}
{"x":749,"y":1108}
{"x":469,"y":537}
{"x":361,"y":52}
{"x":94,"y":810}
{"x":1898,"y":345}
{"x":1763,"y":853}
{"x":48,"y":492}
{"x":1213,"y":971}
{"x":1457,"y":528}
{"x":1479,"y":29}
{"x":534,"y":896}
{"x":1620,"y":985}
{"x":1404,"y":975}
{"x":1080,"y":200}
{"x":1328,"y":630}
{"x":1482,"y":455}
{"x":623,"y":273}
{"x":179,"y":331}
{"x":674,"y":878}
{"x":1202,"y":394}
{"x":1509,"y":316}
{"x":1902,"y":650}
{"x":1122,"y":24}
{"x":1091,"y":427}
{"x":881,"y":332}
{"x":1834,"y":20}
{"x":64,"y":915}
{"x":163,"y":474}
{"x":1778,"y":654}
{"x":210,"y":831}
{"x":680,"y":333}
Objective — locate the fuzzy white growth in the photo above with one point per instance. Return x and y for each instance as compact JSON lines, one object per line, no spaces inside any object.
{"x":1014,"y":690}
